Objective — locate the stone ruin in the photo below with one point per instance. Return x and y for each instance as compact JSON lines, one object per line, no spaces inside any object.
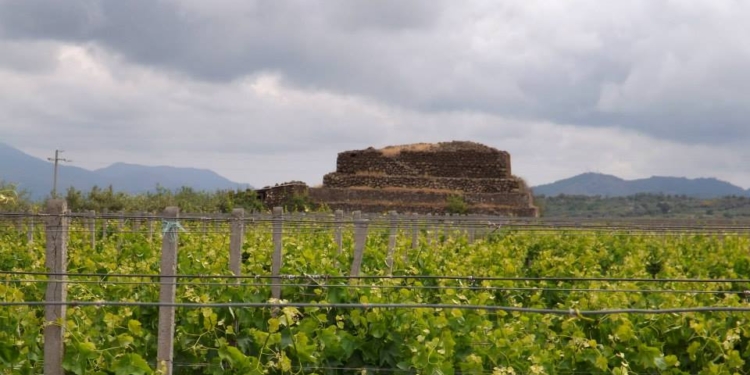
{"x":421,"y":177}
{"x":279,"y":194}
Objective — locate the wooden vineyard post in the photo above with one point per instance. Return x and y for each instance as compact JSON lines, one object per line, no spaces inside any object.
{"x":428,"y":235}
{"x":435,"y":231}
{"x":443,"y":229}
{"x":120,"y":230}
{"x":278,"y":222}
{"x":360,"y":239}
{"x":18,"y":223}
{"x":356,"y":216}
{"x":338,"y":218}
{"x":414,"y":231}
{"x":472,"y":229}
{"x":167,"y":287}
{"x":137,"y":221}
{"x":30,"y":229}
{"x":92,"y":228}
{"x":150,"y":227}
{"x":204,"y":231}
{"x":392,"y":240}
{"x":414,"y":236}
{"x":105,"y":224}
{"x":56,"y":259}
{"x":236,"y":239}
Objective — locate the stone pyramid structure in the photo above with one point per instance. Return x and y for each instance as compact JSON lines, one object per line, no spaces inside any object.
{"x":422,"y":177}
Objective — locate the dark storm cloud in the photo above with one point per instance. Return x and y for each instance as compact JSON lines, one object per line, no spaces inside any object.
{"x":674,"y":70}
{"x":303,"y":39}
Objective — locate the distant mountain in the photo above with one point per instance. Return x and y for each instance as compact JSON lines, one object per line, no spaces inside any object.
{"x":612,"y":186}
{"x":35,"y":175}
{"x":137,"y":178}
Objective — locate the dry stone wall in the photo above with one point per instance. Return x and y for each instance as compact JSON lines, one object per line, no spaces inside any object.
{"x":273,"y":196}
{"x":467,"y":164}
{"x":382,"y":207}
{"x":406,"y":197}
{"x":420,"y":178}
{"x":466,"y":185}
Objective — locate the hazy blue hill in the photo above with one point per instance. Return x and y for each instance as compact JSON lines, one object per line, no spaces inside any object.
{"x":35,"y":175}
{"x":139,"y":178}
{"x":698,"y":187}
{"x":585,"y":184}
{"x":591,"y":184}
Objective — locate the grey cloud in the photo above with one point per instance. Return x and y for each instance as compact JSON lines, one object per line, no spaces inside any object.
{"x":674,"y":70}
{"x":383,"y":15}
{"x":37,"y":57}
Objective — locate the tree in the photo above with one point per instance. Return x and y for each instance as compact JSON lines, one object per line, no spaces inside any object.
{"x":12,"y":200}
{"x":75,"y":199}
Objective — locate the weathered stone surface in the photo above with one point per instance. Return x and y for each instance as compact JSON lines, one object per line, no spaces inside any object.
{"x":468,"y":185}
{"x":452,"y":159}
{"x":420,"y":178}
{"x":407,"y":196}
{"x":380,"y":207}
{"x":277,"y":195}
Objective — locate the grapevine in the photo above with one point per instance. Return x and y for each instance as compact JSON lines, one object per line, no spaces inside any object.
{"x":332,"y":340}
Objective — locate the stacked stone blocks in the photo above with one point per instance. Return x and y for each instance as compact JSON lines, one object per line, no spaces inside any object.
{"x":420,"y":178}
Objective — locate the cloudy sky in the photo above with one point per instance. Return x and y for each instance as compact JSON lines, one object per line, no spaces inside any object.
{"x":269,"y":91}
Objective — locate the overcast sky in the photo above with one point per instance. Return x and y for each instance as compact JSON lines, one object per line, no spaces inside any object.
{"x":269,"y":91}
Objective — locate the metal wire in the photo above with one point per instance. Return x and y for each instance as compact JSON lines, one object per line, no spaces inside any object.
{"x":374,"y":370}
{"x":373,"y":286}
{"x":409,"y":221}
{"x":264,"y":305}
{"x":389,"y":277}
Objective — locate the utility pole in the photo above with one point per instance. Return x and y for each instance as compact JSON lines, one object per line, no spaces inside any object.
{"x":57,"y":159}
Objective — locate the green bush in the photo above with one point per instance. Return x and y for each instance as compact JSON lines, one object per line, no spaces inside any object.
{"x":456,"y":205}
{"x":299,"y":203}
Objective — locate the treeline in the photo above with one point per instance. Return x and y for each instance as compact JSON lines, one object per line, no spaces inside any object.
{"x":644,"y":205}
{"x":224,"y":201}
{"x":109,"y":200}
{"x":187,"y":199}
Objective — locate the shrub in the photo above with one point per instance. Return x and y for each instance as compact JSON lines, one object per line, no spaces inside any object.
{"x":456,"y":205}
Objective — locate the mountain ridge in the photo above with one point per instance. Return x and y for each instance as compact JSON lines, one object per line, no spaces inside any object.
{"x":593,"y":184}
{"x":35,"y":176}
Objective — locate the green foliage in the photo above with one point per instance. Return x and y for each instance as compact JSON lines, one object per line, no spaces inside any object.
{"x":11,"y":200}
{"x":299,"y":203}
{"x":643,"y":205}
{"x":246,"y":199}
{"x":187,"y":199}
{"x":456,"y":205}
{"x":122,"y":340}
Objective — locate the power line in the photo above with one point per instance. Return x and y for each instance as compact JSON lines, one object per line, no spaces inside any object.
{"x":57,"y":159}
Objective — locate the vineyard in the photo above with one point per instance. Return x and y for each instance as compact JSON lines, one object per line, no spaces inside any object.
{"x":425,"y":298}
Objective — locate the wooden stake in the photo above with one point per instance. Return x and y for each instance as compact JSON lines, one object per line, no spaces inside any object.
{"x":338,"y":237}
{"x":168,"y":284}
{"x":278,"y":222}
{"x":360,"y":238}
{"x":56,"y":260}
{"x":392,"y":240}
{"x":235,"y":242}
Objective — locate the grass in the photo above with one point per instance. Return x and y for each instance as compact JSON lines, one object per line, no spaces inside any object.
{"x":392,"y":151}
